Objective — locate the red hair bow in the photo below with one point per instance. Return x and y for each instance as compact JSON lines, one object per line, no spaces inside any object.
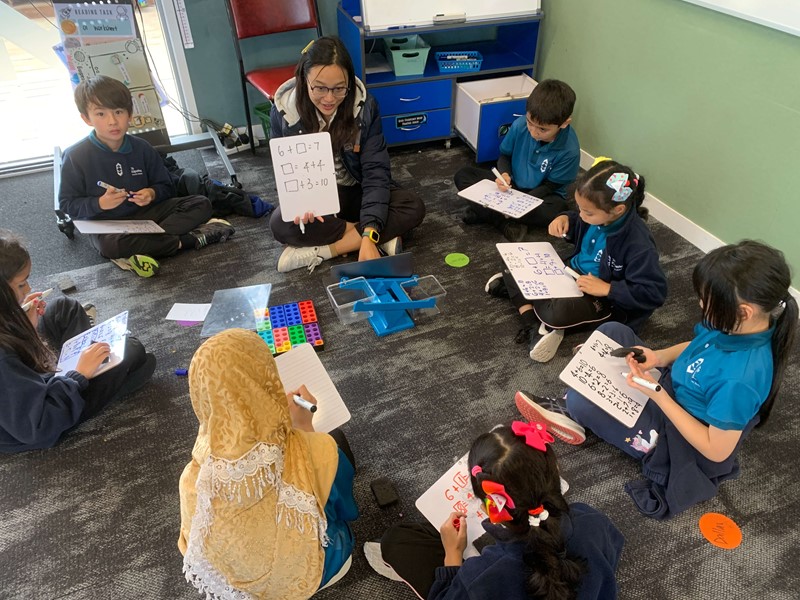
{"x":535,"y":434}
{"x":496,"y":501}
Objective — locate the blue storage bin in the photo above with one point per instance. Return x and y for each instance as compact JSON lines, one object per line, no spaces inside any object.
{"x":459,"y":62}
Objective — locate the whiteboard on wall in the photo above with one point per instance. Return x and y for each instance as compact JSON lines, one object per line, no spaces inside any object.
{"x":384,"y":14}
{"x":783,"y":15}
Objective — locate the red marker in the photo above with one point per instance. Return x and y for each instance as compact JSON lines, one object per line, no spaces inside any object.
{"x":457,"y":523}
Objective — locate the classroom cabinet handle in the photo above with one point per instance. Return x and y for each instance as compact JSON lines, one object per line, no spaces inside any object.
{"x":517,"y":115}
{"x":410,"y":128}
{"x":410,"y":99}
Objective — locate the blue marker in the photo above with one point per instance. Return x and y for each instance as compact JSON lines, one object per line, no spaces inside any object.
{"x":181,"y":372}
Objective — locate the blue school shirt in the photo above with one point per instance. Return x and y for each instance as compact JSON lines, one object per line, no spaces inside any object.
{"x":339,"y":509}
{"x":533,"y":163}
{"x":723,"y":379}
{"x":593,"y":245}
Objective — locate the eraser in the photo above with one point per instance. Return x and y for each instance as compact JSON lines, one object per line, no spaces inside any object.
{"x":65,"y":283}
{"x":384,"y":491}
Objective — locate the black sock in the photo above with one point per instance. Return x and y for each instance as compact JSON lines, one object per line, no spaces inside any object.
{"x":529,"y":320}
{"x":188,"y":241}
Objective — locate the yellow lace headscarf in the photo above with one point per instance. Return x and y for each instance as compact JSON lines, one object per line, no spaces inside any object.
{"x":253,"y":496}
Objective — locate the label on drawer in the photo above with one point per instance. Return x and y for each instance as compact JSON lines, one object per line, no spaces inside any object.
{"x":411,"y":120}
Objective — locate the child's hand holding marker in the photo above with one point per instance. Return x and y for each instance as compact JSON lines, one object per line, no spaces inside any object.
{"x":503,"y":182}
{"x":113,"y":196}
{"x":306,"y":219}
{"x":36,"y":299}
{"x":454,"y":538}
{"x":302,"y":406}
{"x":559,"y":226}
{"x":143,"y":197}
{"x":639,"y":379}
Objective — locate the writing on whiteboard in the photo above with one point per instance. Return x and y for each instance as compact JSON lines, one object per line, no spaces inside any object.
{"x":538,"y":270}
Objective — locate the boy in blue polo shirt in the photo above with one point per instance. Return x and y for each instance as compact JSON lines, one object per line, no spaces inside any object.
{"x":112,"y":175}
{"x":540,"y":156}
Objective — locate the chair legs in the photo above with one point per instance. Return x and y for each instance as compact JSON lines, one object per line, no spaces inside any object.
{"x":248,"y":117}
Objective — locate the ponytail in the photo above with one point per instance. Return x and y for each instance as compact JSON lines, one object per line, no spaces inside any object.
{"x":782,"y":344}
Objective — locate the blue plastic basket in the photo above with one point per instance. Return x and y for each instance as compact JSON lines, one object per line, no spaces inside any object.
{"x":459,"y":62}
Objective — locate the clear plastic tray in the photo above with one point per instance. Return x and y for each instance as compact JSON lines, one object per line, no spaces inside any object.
{"x":423,"y":288}
{"x":344,"y":295}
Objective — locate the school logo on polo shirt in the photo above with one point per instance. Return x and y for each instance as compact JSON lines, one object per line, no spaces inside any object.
{"x":543,"y":167}
{"x":135,"y":172}
{"x":119,"y":169}
{"x":694,"y":368}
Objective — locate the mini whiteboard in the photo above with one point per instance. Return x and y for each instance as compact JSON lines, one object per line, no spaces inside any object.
{"x":101,"y":227}
{"x":538,"y":270}
{"x":305,"y":175}
{"x":597,"y":375}
{"x":512,"y":203}
{"x":453,"y":492}
{"x":301,"y":366}
{"x":383,"y":14}
{"x":112,"y":332}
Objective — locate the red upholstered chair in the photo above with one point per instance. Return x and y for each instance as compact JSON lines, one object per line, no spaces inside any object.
{"x":254,"y":18}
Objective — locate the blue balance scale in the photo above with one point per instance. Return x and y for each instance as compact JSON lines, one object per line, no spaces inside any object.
{"x":385,"y":293}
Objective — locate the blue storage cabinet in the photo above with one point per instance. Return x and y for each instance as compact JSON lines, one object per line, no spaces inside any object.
{"x":418,"y":108}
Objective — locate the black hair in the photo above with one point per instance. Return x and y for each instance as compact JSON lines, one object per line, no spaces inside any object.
{"x":531,"y":479}
{"x":102,"y":91}
{"x":13,"y":255}
{"x":550,"y":103}
{"x":18,"y":336}
{"x":593,"y":185}
{"x":756,"y":273}
{"x":327,"y":50}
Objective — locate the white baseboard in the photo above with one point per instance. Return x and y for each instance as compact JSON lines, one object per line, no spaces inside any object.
{"x":688,"y":230}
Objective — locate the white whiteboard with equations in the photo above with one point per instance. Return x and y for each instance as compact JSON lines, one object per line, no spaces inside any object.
{"x":305,"y":175}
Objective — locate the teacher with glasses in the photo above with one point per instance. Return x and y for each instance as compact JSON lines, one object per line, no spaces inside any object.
{"x":374,"y":213}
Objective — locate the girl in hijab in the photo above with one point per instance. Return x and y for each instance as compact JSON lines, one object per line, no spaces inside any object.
{"x":265,"y":501}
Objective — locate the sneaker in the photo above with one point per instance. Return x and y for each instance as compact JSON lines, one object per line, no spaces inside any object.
{"x":546,"y":346}
{"x":496,"y":286}
{"x":552,"y":411}
{"x":211,"y":232}
{"x":296,"y":258}
{"x":91,"y":312}
{"x":141,"y":264}
{"x":372,"y":552}
{"x":392,"y":247}
{"x":513,"y":231}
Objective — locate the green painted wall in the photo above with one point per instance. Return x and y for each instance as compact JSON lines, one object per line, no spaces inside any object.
{"x":705,"y":105}
{"x":212,"y":62}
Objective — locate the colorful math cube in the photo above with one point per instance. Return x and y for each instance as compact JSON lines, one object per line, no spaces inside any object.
{"x":287,"y":325}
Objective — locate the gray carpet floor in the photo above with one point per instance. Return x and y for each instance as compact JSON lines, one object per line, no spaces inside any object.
{"x":98,"y":516}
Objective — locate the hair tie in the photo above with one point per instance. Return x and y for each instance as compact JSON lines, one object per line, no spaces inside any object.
{"x":535,"y":434}
{"x":475,"y":470}
{"x":537,"y":515}
{"x":618,"y":182}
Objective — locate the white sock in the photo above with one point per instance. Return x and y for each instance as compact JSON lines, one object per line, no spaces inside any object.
{"x":325,"y":252}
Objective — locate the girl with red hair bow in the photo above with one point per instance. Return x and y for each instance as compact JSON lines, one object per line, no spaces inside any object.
{"x":540,"y":546}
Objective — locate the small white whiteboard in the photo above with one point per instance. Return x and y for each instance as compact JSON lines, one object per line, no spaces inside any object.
{"x":305,"y":175}
{"x":301,"y":366}
{"x":113,"y":332}
{"x":597,"y":375}
{"x":102,"y":226}
{"x":538,"y":270}
{"x":512,"y":203}
{"x":452,"y":492}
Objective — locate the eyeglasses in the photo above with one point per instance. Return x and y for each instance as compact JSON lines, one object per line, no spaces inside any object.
{"x":320,"y":91}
